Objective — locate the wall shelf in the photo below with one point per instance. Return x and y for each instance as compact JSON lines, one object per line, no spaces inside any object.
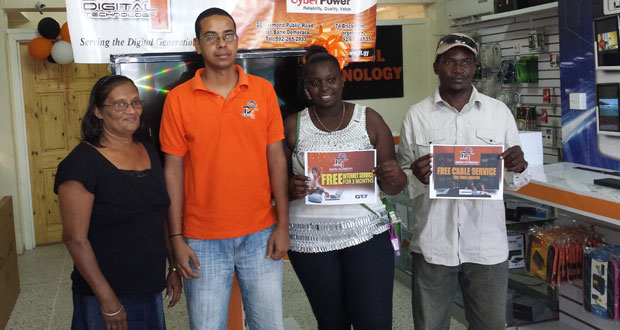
{"x":527,"y":10}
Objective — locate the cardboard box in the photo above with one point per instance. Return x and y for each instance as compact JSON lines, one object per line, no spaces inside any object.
{"x":9,"y":275}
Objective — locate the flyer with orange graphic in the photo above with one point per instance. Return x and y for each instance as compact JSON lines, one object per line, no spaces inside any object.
{"x":99,"y":28}
{"x":341,"y":177}
{"x":467,"y":172}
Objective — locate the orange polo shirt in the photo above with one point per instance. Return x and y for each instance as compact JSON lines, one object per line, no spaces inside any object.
{"x":224,"y":144}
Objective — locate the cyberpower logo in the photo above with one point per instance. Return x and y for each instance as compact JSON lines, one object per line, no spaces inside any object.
{"x":316,"y":2}
{"x":325,"y":6}
{"x":157,"y":11}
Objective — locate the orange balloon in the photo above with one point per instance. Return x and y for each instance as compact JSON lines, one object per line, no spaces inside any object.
{"x":64,"y":32}
{"x":40,"y":48}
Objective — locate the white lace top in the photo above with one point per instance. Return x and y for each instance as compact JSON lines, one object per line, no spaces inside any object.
{"x":324,"y":228}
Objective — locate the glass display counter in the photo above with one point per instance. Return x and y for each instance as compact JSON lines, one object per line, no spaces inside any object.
{"x":529,"y":300}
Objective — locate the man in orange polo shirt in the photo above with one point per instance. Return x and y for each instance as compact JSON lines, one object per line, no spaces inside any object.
{"x":222,"y":134}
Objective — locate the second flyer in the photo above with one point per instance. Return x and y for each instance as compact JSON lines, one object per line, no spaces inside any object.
{"x":467,"y":172}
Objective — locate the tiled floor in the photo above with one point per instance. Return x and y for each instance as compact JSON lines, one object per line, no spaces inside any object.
{"x":45,"y":299}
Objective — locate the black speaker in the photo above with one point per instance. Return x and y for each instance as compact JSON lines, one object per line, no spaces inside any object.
{"x":539,"y":2}
{"x":523,"y":4}
{"x":529,"y":3}
{"x":502,"y":6}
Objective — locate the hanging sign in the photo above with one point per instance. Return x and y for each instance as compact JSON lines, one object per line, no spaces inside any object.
{"x":100,"y":28}
{"x":382,"y":78}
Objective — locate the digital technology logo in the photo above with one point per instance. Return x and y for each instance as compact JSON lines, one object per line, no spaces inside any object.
{"x":339,"y":161}
{"x":249,"y":110}
{"x":466,"y":156}
{"x":467,"y":153}
{"x":156,"y":11}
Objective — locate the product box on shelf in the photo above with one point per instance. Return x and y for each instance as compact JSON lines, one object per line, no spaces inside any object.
{"x":530,"y":210}
{"x":516,"y":255}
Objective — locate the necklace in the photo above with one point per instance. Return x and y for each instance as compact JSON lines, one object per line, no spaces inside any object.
{"x":323,"y":125}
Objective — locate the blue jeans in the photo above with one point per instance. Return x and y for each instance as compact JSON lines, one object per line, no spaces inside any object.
{"x":260,"y":280}
{"x":484,"y":288}
{"x":144,"y":312}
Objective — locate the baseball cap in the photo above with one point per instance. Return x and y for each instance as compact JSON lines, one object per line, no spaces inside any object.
{"x":456,"y":40}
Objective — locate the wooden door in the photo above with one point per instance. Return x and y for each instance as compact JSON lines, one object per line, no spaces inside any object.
{"x":55,"y":99}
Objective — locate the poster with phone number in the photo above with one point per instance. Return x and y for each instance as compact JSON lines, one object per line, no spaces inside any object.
{"x":100,"y":28}
{"x":341,"y":177}
{"x":467,"y":172}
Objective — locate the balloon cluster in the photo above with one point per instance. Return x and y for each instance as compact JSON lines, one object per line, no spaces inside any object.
{"x":49,"y":46}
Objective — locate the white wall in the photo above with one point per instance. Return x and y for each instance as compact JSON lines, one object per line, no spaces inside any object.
{"x":8,"y":169}
{"x":417,"y":73}
{"x":420,"y":37}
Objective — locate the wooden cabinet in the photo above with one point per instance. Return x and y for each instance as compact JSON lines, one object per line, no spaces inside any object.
{"x":9,"y":276}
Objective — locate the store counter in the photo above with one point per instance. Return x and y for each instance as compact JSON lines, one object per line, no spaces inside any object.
{"x":570,"y":187}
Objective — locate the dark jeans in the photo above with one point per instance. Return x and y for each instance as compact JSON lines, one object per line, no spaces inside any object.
{"x":352,"y":286}
{"x":484,"y":290}
{"x":144,"y":312}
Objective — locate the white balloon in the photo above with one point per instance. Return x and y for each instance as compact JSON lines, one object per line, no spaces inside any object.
{"x":62,"y":52}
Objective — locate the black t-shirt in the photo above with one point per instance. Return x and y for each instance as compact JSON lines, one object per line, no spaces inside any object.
{"x":126,"y":228}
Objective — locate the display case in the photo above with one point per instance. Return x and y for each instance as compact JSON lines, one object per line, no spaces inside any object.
{"x":530,"y":299}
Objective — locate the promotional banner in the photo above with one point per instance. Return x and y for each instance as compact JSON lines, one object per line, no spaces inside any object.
{"x":99,"y":28}
{"x":466,"y":172}
{"x":341,"y":177}
{"x":382,"y":78}
{"x":584,"y":140}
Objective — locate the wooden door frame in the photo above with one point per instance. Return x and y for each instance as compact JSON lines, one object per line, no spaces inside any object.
{"x":15,"y":37}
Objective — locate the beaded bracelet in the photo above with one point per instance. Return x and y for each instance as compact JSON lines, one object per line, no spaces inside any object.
{"x":112,"y":314}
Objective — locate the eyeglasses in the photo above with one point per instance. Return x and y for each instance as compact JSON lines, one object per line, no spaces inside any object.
{"x":123,"y":106}
{"x":453,"y":39}
{"x":213,"y":38}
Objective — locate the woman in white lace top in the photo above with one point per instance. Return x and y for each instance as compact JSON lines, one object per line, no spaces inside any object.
{"x":341,"y":253}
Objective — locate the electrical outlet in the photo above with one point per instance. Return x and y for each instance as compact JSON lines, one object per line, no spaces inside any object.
{"x":611,"y":7}
{"x":577,"y":101}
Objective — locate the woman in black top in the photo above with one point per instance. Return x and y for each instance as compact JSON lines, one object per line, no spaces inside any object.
{"x":113,"y":204}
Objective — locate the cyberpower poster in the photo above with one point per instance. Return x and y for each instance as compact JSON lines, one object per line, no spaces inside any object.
{"x":99,"y":28}
{"x":466,"y":172}
{"x":341,"y":177}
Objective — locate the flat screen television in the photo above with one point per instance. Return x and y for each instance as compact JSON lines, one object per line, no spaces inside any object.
{"x":606,"y":45}
{"x":157,"y":74}
{"x":607,"y":114}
